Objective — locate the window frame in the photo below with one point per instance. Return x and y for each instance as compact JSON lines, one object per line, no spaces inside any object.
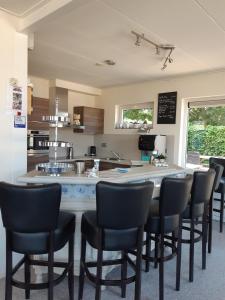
{"x":142,"y":105}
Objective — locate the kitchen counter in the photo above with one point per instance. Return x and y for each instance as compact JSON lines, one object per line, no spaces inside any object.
{"x":133,"y":174}
{"x":78,"y":194}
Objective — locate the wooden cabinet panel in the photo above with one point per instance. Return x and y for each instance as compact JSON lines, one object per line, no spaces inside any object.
{"x":40,"y":107}
{"x":33,"y":160}
{"x":107,"y":165}
{"x":90,"y":117}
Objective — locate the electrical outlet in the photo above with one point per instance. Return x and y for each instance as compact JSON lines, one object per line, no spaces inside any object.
{"x":104,"y":145}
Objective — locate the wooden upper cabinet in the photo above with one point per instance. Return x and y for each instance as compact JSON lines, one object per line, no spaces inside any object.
{"x":40,"y":107}
{"x":90,"y":117}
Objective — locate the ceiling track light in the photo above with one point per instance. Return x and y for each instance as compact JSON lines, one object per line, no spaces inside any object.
{"x":158,"y":47}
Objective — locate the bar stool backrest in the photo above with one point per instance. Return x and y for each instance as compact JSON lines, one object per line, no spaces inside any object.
{"x":202,"y":186}
{"x":218,"y":161}
{"x":174,"y":195}
{"x":123,"y":206}
{"x":30,"y":209}
{"x":219,"y":172}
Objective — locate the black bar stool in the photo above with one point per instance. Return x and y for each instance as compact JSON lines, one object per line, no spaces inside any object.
{"x":196,"y":213}
{"x":35,"y":226}
{"x":165,"y":218}
{"x":116,"y":225}
{"x":220,"y":189}
{"x":219,"y":172}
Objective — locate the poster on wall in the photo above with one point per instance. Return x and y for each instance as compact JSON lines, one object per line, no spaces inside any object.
{"x":167,"y":107}
{"x":19,"y":122}
{"x":15,"y":98}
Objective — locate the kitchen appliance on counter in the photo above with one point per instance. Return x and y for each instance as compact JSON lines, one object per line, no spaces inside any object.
{"x":92,"y":151}
{"x":35,"y":142}
{"x":69,"y":152}
{"x":151,"y":145}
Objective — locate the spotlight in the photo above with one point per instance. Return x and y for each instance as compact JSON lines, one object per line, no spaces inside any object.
{"x":166,"y":49}
{"x":164,"y":67}
{"x":138,"y":41}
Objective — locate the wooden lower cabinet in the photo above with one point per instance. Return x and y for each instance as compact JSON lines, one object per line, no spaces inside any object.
{"x":33,"y":160}
{"x":103,"y":165}
{"x":107,"y":165}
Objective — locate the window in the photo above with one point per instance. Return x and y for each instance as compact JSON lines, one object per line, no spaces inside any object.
{"x":135,"y":115}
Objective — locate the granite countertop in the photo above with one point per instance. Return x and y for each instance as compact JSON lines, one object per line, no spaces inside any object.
{"x":133,"y":174}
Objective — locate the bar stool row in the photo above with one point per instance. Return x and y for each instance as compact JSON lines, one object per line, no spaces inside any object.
{"x":125,"y":220}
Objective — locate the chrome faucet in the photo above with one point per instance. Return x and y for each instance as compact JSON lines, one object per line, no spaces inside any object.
{"x":116,"y":154}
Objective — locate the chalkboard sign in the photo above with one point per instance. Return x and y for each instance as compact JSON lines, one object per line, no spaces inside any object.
{"x":167,"y":104}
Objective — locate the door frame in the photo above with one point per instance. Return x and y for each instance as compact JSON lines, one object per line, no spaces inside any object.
{"x":184,"y":123}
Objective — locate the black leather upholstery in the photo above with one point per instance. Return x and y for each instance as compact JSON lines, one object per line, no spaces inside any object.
{"x":121,"y":209}
{"x":218,"y":161}
{"x":122,"y":206}
{"x":116,"y":225}
{"x":22,"y":207}
{"x":29,"y":213}
{"x":221,"y":187}
{"x":218,"y":177}
{"x":220,"y":182}
{"x":153,"y":224}
{"x":37,"y":242}
{"x":113,"y":239}
{"x":197,"y":212}
{"x":201,"y":192}
{"x":34,"y":225}
{"x":174,"y":196}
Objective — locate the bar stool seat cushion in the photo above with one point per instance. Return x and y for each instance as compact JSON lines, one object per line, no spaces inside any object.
{"x":198,"y":211}
{"x":113,"y":240}
{"x":153,"y":223}
{"x":37,"y":243}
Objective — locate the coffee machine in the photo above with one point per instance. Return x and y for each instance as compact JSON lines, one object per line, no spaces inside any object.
{"x":151,"y":145}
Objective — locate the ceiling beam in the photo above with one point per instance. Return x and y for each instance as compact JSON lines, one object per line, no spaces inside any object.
{"x":77,"y":87}
{"x":42,"y":14}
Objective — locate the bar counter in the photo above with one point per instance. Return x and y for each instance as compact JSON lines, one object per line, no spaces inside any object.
{"x":78,"y":194}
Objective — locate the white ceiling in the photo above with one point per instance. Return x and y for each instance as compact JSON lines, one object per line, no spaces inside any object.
{"x":21,"y":7}
{"x":69,"y":46}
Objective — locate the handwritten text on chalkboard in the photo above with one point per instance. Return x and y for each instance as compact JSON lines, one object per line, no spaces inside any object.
{"x":167,"y":104}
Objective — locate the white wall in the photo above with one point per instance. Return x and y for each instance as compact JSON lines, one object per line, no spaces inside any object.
{"x":13,"y":62}
{"x":199,"y":85}
{"x":40,"y":86}
{"x":80,"y":99}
